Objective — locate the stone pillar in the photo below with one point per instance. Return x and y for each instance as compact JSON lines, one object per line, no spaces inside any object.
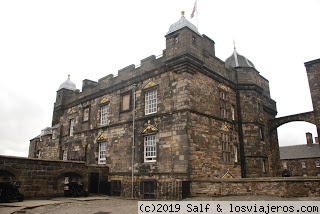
{"x":313,"y":73}
{"x":309,"y":139}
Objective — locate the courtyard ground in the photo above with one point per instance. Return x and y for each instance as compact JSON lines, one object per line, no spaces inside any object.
{"x":111,"y":205}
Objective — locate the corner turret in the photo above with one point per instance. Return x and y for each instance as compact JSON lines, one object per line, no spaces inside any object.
{"x":66,"y":91}
{"x":183,"y":37}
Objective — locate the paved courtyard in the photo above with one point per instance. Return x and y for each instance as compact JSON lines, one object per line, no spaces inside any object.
{"x":111,"y":205}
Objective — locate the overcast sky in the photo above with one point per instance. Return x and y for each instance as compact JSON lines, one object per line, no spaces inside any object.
{"x":41,"y":42}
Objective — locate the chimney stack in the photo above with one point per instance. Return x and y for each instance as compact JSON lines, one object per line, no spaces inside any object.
{"x":309,"y":139}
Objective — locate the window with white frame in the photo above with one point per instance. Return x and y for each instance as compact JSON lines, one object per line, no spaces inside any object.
{"x":104,"y":114}
{"x":317,"y":164}
{"x":232,"y":113}
{"x":284,"y":164}
{"x":71,"y":127}
{"x":151,"y":102}
{"x":86,"y":113}
{"x":235,"y":152}
{"x":65,"y":155}
{"x":102,"y":153}
{"x":150,"y":148}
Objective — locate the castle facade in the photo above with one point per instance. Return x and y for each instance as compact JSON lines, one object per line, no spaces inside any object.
{"x":179,"y":117}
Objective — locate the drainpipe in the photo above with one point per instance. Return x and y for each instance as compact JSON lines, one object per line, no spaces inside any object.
{"x":133,"y":138}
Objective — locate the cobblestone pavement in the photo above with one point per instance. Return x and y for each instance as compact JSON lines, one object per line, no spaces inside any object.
{"x":112,"y":205}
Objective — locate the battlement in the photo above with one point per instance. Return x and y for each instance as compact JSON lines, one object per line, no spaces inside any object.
{"x":146,"y":65}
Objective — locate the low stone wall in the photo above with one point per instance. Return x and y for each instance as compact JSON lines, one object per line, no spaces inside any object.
{"x":285,"y":187}
{"x":45,"y":178}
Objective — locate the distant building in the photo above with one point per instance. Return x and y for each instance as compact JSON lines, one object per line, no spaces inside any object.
{"x":301,"y":160}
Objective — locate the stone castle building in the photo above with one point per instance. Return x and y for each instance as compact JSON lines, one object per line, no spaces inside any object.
{"x":183,"y":116}
{"x":301,"y":160}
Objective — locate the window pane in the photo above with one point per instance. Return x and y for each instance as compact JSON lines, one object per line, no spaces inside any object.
{"x":151,"y":102}
{"x":104,"y":114}
{"x":71,"y":127}
{"x":150,"y":148}
{"x":102,"y":153}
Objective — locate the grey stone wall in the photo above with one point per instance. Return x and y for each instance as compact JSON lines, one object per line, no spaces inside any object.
{"x":45,"y":178}
{"x":294,"y":167}
{"x":313,"y":73}
{"x":285,"y":187}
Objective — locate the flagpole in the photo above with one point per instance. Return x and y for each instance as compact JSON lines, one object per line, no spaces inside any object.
{"x":195,"y":10}
{"x":197,"y":15}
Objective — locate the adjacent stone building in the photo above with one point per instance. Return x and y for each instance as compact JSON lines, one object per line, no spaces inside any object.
{"x":183,"y":116}
{"x":301,"y":160}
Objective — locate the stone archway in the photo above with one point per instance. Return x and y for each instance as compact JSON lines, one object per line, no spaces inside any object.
{"x":68,"y":176}
{"x":306,"y":117}
{"x":6,"y":176}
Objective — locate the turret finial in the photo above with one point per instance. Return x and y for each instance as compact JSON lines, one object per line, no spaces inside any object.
{"x":234,"y":44}
{"x":182,"y":13}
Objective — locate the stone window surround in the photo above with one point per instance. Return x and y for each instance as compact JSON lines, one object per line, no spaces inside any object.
{"x":83,"y":113}
{"x":122,"y":95}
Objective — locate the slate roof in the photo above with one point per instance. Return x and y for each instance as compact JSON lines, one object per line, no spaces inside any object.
{"x":183,"y":22}
{"x":300,"y":151}
{"x":237,"y":60}
{"x":68,"y":85}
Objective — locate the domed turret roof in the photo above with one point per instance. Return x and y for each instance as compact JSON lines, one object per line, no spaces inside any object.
{"x":237,"y":60}
{"x":183,"y":22}
{"x":68,"y":85}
